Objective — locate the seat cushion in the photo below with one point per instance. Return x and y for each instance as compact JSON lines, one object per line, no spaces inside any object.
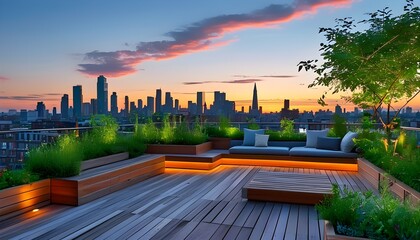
{"x":259,"y":150}
{"x":314,"y":152}
{"x":261,"y":140}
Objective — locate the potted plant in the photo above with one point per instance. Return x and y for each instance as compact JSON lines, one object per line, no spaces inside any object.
{"x":366,"y":215}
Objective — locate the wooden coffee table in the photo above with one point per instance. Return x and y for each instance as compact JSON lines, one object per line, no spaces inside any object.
{"x":288,"y":187}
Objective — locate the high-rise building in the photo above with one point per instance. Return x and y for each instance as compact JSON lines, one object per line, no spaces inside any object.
{"x":114,"y":104}
{"x":126,"y":106}
{"x":139,"y":104}
{"x":254,"y":106}
{"x":201,"y":99}
{"x":176,"y":108}
{"x":169,"y":103}
{"x":93,"y":106}
{"x":286,"y":104}
{"x":133,"y":107}
{"x":77,"y":101}
{"x":86,"y":109}
{"x":40,"y":108}
{"x":338,"y":109}
{"x":65,"y":106}
{"x":150,"y":106}
{"x":158,"y":100}
{"x":102,"y":95}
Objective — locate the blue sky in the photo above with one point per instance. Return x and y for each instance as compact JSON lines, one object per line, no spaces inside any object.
{"x":48,"y":46}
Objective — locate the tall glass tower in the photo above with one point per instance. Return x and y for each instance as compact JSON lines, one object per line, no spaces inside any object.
{"x":102,"y":95}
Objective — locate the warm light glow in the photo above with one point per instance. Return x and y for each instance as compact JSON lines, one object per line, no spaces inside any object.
{"x":35,"y":210}
{"x":261,"y":162}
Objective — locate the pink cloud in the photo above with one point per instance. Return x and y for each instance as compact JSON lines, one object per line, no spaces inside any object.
{"x":3,"y":78}
{"x":200,"y":36}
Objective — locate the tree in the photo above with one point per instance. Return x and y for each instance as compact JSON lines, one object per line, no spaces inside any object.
{"x":379,"y":65}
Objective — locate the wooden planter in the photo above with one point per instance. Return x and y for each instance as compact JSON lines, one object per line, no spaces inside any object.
{"x":178,"y":149}
{"x":24,"y":198}
{"x":100,"y":181}
{"x":220,"y":142}
{"x":329,"y":233}
{"x":377,"y":176}
{"x":92,"y":163}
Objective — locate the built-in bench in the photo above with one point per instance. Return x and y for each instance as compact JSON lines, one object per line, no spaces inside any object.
{"x":287,"y":187}
{"x":100,"y":181}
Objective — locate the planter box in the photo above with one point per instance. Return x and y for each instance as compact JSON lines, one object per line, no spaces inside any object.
{"x":220,"y":142}
{"x":100,"y":181}
{"x":178,"y":149}
{"x":329,"y":233}
{"x":377,"y":176}
{"x":97,"y":162}
{"x":24,"y":198}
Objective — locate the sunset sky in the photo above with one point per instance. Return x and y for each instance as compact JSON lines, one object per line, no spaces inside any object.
{"x":184,"y":46}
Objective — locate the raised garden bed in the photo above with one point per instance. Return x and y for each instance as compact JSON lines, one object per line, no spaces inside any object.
{"x":220,"y":142}
{"x":178,"y":149}
{"x":100,"y":181}
{"x":329,"y":233}
{"x":24,"y":198}
{"x":97,"y":162}
{"x":377,"y":176}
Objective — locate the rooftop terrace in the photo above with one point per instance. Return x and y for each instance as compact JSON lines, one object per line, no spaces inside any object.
{"x":182,"y":204}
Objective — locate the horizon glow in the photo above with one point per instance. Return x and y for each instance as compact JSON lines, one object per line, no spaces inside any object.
{"x":183,"y":48}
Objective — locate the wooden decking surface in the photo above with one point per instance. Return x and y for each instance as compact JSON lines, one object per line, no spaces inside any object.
{"x":181,"y":204}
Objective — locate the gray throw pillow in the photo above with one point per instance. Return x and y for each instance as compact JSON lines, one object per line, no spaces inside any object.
{"x":249,"y":136}
{"x":347,"y":144}
{"x":312,"y":136}
{"x":329,"y":143}
{"x":261,"y":140}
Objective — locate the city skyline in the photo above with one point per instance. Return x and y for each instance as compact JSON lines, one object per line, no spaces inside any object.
{"x":184,"y":48}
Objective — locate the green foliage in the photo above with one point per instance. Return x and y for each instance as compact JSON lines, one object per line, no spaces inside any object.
{"x":16,"y":177}
{"x":253,"y":125}
{"x":378,"y":65}
{"x":401,"y":160}
{"x":287,"y":132}
{"x":367,"y":215}
{"x":59,"y":159}
{"x":171,"y":134}
{"x":224,"y":130}
{"x":339,"y":128}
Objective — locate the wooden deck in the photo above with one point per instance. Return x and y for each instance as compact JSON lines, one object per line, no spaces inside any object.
{"x":181,"y":204}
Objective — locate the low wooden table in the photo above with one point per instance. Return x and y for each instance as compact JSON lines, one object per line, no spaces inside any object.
{"x":288,"y":187}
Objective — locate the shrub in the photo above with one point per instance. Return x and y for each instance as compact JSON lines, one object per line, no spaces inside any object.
{"x":59,"y":159}
{"x":287,"y":132}
{"x":339,"y":128}
{"x":367,"y":215}
{"x":16,"y":177}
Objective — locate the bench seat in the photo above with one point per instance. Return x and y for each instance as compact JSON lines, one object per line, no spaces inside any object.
{"x":270,"y":150}
{"x":315,"y":152}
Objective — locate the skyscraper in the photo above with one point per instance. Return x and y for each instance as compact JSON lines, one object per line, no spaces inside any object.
{"x":114,"y":104}
{"x":158,"y":100}
{"x":200,"y":102}
{"x":77,"y":101}
{"x":254,"y":106}
{"x":102,"y":95}
{"x":40,"y":108}
{"x":286,"y":104}
{"x":64,"y":106}
{"x":126,"y":106}
{"x":93,"y":106}
{"x":150,"y":106}
{"x":169,"y":103}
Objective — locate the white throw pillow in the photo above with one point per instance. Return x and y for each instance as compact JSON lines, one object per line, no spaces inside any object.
{"x":249,"y":136}
{"x":312,"y":137}
{"x":261,"y":140}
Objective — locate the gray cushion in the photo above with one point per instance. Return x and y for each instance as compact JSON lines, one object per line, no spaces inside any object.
{"x":314,"y":152}
{"x":259,"y":150}
{"x":347,"y":144}
{"x":249,"y":136}
{"x":329,"y":143}
{"x":312,"y":136}
{"x":261,"y":140}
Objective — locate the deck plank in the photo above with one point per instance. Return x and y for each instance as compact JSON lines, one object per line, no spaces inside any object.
{"x":184,"y":204}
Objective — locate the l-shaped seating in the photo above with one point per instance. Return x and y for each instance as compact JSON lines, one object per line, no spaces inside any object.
{"x":317,"y":145}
